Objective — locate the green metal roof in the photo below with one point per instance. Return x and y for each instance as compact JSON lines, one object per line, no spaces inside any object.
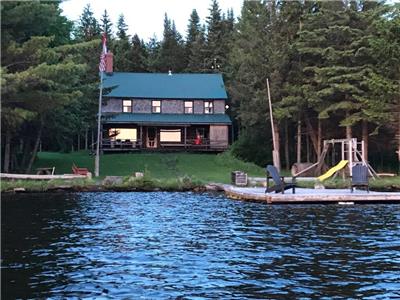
{"x":167,"y":118}
{"x":164,"y":86}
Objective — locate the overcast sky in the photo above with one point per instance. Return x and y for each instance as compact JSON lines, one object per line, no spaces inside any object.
{"x":145,"y":17}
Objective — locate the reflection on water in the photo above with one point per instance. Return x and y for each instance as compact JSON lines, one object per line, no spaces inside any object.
{"x":191,"y":246}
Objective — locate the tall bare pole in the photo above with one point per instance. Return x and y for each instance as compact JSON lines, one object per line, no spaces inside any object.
{"x":275,"y":153}
{"x":97,"y":160}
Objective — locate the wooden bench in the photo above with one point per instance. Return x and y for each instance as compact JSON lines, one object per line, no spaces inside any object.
{"x":79,"y":171}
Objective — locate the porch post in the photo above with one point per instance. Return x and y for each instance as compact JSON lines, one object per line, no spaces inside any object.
{"x":141,"y":136}
{"x":185,"y":129}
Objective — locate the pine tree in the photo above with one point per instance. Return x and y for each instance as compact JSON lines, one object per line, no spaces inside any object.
{"x":122,"y":28}
{"x":193,"y":29}
{"x":138,"y":55}
{"x":197,"y":55}
{"x":215,"y":53}
{"x":153,"y":59}
{"x":172,"y":52}
{"x":106,"y":25}
{"x":88,"y":27}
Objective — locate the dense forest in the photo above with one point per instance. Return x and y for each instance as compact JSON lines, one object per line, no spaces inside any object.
{"x":333,"y":68}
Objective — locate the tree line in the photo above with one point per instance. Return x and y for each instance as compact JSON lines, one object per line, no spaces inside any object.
{"x":333,"y":68}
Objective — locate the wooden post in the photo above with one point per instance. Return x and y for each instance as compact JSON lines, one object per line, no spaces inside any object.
{"x":185,"y":136}
{"x":299,"y":141}
{"x":141,"y":137}
{"x":86,"y":138}
{"x":92,"y":141}
{"x":275,"y":152}
{"x":350,"y":154}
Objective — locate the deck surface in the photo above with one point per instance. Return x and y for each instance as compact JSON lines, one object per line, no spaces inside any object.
{"x":304,"y":195}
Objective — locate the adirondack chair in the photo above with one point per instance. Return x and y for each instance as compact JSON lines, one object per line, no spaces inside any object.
{"x":79,"y":171}
{"x":280,"y":184}
{"x":359,"y":177}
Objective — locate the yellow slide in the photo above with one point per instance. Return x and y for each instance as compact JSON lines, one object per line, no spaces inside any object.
{"x":333,"y":170}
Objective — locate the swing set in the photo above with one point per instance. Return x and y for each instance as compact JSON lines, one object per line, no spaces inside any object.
{"x":351,"y":152}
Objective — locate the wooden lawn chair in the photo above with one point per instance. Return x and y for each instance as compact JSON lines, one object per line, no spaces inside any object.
{"x":280,"y":184}
{"x":79,"y":171}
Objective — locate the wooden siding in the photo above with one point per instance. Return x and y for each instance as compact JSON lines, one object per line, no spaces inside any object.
{"x":218,"y":136}
{"x":112,"y":106}
{"x":167,"y":106}
{"x":141,"y":106}
{"x":172,"y":106}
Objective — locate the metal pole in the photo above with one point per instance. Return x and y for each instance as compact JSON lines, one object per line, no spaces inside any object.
{"x":274,"y":151}
{"x":97,"y":160}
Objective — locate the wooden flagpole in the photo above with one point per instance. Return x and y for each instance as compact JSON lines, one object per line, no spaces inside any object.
{"x":275,"y":154}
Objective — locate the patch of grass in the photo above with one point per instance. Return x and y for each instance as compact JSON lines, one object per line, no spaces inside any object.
{"x":43,"y":185}
{"x":199,"y":167}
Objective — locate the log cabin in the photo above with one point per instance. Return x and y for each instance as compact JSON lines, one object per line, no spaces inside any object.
{"x":164,"y":111}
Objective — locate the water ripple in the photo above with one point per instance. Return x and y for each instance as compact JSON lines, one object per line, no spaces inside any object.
{"x":195,"y":246}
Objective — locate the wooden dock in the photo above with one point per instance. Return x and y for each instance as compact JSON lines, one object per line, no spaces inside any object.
{"x":304,"y":195}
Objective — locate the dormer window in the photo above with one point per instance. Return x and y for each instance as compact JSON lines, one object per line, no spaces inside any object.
{"x":208,"y":107}
{"x":127,"y":106}
{"x":156,"y":106}
{"x":188,"y":107}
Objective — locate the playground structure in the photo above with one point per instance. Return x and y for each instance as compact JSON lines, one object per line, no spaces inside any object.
{"x":352,"y":153}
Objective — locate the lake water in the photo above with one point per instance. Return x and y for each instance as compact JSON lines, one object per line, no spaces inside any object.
{"x":195,"y":246}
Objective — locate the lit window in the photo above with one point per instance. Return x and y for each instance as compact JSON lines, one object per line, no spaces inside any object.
{"x":170,"y":135}
{"x":122,"y":134}
{"x":188,"y":107}
{"x":127,"y":106}
{"x":156,"y":106}
{"x":208,"y":107}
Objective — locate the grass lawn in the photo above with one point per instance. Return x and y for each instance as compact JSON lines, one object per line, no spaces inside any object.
{"x":202,"y":167}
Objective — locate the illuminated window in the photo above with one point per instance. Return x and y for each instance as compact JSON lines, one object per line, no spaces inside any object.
{"x":170,"y":135}
{"x":188,"y":107}
{"x":127,"y":106}
{"x":122,"y":134}
{"x":156,"y":106}
{"x":208,"y":107}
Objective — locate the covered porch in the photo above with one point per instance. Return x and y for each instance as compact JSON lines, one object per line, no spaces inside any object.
{"x":125,"y":137}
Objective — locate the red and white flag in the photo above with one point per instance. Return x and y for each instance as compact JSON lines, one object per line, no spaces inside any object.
{"x":102,"y":65}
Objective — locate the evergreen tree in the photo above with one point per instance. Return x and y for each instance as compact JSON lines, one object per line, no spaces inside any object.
{"x":88,"y":27}
{"x":194,"y":29}
{"x":122,"y":28}
{"x":20,"y":20}
{"x":195,"y":44}
{"x":215,"y":52}
{"x":172,"y":52}
{"x":153,"y":49}
{"x":197,"y":55}
{"x":138,"y":55}
{"x":106,"y":25}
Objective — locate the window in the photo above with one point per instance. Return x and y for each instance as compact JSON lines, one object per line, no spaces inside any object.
{"x":188,"y":107}
{"x":122,"y":134}
{"x":170,"y":135}
{"x":156,"y":106}
{"x":208,"y":107}
{"x":127,"y":106}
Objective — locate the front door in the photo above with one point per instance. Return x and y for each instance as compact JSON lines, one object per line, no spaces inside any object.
{"x":151,"y":137}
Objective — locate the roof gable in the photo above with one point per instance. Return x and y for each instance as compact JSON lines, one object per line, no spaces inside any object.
{"x":164,"y":86}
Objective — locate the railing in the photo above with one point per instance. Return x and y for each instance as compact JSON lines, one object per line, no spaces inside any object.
{"x":120,"y":144}
{"x":191,"y":144}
